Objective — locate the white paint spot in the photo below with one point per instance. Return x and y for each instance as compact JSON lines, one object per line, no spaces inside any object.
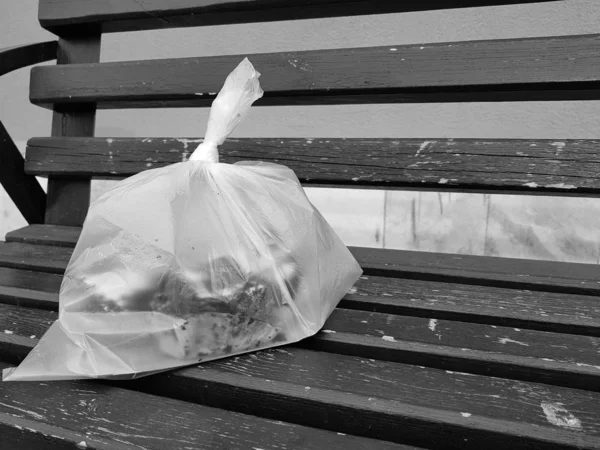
{"x":355,"y":179}
{"x":199,"y":93}
{"x":547,"y":359}
{"x":423,"y":146}
{"x":31,"y":413}
{"x":109,"y":141}
{"x":352,"y":290}
{"x":342,"y":434}
{"x":32,"y":336}
{"x":212,"y":93}
{"x":559,"y":146}
{"x":587,"y":365}
{"x":363,"y":321}
{"x":517,"y":329}
{"x":388,"y":338}
{"x":393,"y":49}
{"x":507,"y":340}
{"x":149,"y":165}
{"x":328,"y":331}
{"x":185,"y":142}
{"x":307,"y":388}
{"x":147,"y":140}
{"x":443,"y":181}
{"x":531,"y":184}
{"x":8,"y":332}
{"x":421,"y":48}
{"x":465,"y":414}
{"x":432,"y":324}
{"x":557,"y":415}
{"x":561,"y":186}
{"x":82,"y":444}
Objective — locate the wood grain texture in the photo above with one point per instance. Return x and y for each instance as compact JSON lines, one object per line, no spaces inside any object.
{"x":24,"y":190}
{"x":68,"y":199}
{"x":371,"y":397}
{"x":520,"y":69}
{"x":128,"y":15}
{"x":111,"y":417}
{"x":20,"y":56}
{"x":42,"y":258}
{"x":553,"y":358}
{"x":570,"y":167}
{"x":517,"y":308}
{"x":55,"y":235}
{"x":28,"y":288}
{"x":550,"y":276}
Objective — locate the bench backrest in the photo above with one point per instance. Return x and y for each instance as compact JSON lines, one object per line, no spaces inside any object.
{"x":533,"y":69}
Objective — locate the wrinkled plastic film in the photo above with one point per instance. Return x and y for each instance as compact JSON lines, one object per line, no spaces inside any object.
{"x":231,"y":105}
{"x":193,"y":262}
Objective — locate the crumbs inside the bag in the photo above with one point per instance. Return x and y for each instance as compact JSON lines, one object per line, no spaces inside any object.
{"x":224,"y":308}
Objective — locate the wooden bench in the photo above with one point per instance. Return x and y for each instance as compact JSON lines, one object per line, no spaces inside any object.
{"x":429,"y":350}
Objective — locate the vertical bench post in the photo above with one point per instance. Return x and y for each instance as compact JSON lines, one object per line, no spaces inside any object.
{"x":69,"y":198}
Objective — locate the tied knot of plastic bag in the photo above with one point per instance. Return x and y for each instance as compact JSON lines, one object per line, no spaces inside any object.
{"x":240,"y":90}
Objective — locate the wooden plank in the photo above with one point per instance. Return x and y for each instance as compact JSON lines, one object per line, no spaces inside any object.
{"x":520,"y":354}
{"x":20,"y":56}
{"x":551,"y":276}
{"x":370,"y":398}
{"x":55,"y":235}
{"x":517,"y":308}
{"x":543,"y":311}
{"x":31,"y":289}
{"x":109,"y":417}
{"x":24,"y":190}
{"x":68,"y":199}
{"x":520,"y":69}
{"x":34,"y":257}
{"x":60,"y":15}
{"x":520,"y":166}
{"x":535,"y":310}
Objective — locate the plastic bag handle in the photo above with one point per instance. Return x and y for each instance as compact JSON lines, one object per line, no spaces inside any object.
{"x":240,"y":90}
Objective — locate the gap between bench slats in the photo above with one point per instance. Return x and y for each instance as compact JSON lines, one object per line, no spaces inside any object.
{"x":560,"y":359}
{"x":543,"y":311}
{"x":518,"y":69}
{"x":551,"y":276}
{"x":109,"y":417}
{"x":523,"y":166}
{"x":62,"y":15}
{"x":374,"y":398}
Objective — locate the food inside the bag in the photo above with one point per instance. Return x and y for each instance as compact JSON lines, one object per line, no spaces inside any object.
{"x":225,"y":309}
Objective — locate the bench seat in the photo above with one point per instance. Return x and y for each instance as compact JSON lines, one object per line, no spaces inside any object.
{"x":428,"y":359}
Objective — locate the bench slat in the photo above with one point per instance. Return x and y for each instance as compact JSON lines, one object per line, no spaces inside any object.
{"x":517,"y":308}
{"x":57,"y":15}
{"x":519,"y":69}
{"x":110,"y":417}
{"x":561,"y":359}
{"x":543,"y":311}
{"x":518,"y":166}
{"x":553,"y":276}
{"x":373,"y":398}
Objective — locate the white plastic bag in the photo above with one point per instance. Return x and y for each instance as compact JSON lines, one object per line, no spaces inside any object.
{"x":192,"y":262}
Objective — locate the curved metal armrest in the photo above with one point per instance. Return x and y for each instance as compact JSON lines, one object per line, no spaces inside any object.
{"x":13,"y":58}
{"x":23,"y":189}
